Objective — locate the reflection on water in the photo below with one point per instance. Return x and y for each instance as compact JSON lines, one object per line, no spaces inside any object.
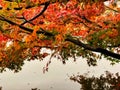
{"x":109,"y":81}
{"x":57,"y":78}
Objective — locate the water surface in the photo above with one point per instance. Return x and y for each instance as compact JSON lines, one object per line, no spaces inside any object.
{"x":57,"y":78}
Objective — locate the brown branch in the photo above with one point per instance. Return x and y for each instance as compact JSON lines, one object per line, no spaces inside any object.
{"x":27,"y":21}
{"x":112,"y":9}
{"x":95,"y":49}
{"x":13,"y":23}
{"x":41,"y":31}
{"x":45,"y":7}
{"x":89,"y":21}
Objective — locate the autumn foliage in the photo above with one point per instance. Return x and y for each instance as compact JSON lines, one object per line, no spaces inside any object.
{"x":107,"y":81}
{"x":70,"y":28}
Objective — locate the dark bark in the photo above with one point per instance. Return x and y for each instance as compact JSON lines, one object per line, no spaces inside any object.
{"x":45,"y":7}
{"x":95,"y":49}
{"x":41,"y":31}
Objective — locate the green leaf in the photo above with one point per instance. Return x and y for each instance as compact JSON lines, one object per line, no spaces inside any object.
{"x":18,"y":1}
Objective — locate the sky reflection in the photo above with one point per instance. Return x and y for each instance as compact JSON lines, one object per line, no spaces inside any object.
{"x":31,"y":75}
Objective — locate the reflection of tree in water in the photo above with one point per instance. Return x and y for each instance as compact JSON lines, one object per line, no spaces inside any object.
{"x":108,"y":81}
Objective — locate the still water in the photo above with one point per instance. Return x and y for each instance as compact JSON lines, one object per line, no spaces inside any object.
{"x":57,"y":78}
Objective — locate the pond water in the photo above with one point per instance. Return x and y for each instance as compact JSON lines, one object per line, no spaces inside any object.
{"x":57,"y":78}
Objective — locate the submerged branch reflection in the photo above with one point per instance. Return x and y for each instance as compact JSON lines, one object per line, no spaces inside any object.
{"x":107,"y":81}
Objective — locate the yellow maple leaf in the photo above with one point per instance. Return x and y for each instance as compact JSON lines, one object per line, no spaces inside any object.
{"x":36,"y":28}
{"x":59,"y":38}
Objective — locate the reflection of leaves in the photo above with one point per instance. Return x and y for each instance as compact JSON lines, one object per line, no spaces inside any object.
{"x":108,"y":81}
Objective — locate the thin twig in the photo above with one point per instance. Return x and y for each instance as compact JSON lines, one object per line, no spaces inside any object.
{"x":45,"y":7}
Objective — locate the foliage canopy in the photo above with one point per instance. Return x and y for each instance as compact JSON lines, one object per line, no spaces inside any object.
{"x":70,"y":28}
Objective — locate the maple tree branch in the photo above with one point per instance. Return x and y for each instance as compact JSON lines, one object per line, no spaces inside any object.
{"x":70,"y":39}
{"x":114,"y":45}
{"x":45,"y":7}
{"x":112,"y":9}
{"x":89,"y":21}
{"x":13,"y":23}
{"x":95,"y":49}
{"x":27,"y":20}
{"x":41,"y":31}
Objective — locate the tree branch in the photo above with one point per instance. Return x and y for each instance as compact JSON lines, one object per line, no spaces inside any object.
{"x":95,"y":49}
{"x":40,"y":31}
{"x":112,"y":9}
{"x":89,"y":21}
{"x":45,"y":7}
{"x":13,"y":23}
